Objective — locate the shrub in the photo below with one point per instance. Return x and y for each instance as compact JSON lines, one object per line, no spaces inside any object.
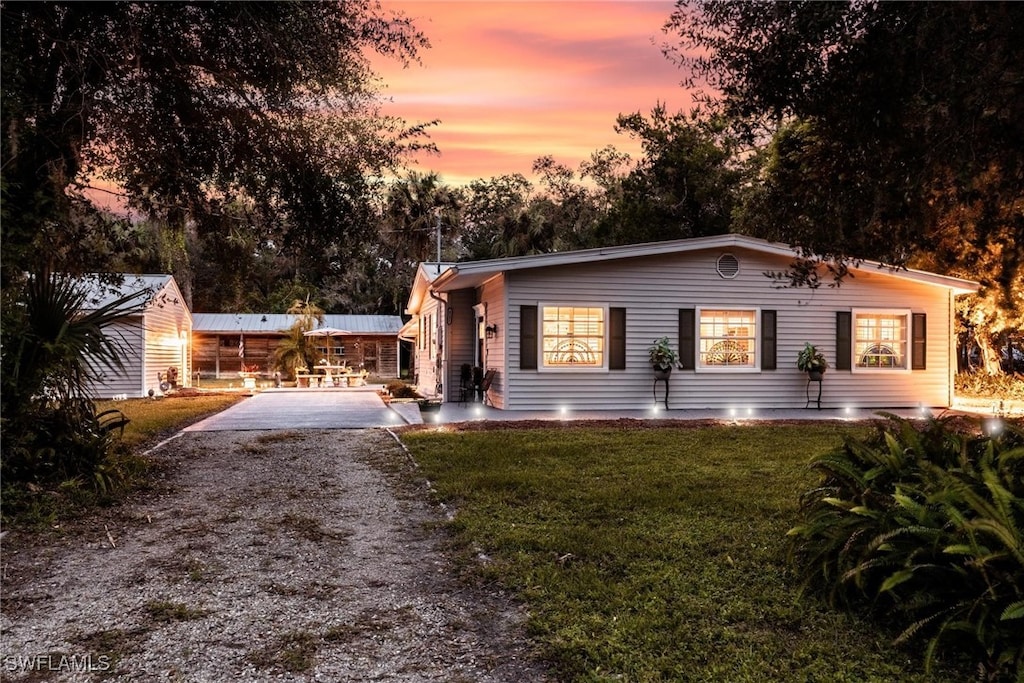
{"x":399,"y":389}
{"x":68,"y":440}
{"x":58,"y":335}
{"x":925,"y":523}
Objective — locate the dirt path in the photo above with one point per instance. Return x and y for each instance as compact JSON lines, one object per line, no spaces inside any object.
{"x":299,"y":556}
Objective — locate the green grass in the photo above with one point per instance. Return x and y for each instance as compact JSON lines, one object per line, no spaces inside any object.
{"x":151,"y":418}
{"x":655,"y":554}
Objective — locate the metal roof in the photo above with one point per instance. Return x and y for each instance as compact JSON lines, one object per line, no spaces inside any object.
{"x":270,"y":323}
{"x":146,"y":287}
{"x":475,"y":273}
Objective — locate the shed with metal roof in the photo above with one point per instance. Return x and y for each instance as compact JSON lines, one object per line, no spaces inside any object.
{"x":226,"y":344}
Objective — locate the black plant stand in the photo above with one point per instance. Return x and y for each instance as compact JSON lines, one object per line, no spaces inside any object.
{"x":665,"y":381}
{"x":810,"y":400}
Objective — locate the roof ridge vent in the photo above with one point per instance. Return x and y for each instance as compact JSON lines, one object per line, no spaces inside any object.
{"x":728,"y":266}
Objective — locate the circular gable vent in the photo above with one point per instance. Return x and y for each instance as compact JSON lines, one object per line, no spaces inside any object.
{"x":728,"y":266}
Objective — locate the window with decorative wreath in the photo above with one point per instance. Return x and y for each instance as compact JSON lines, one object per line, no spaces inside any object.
{"x":573,"y":336}
{"x":727,"y":338}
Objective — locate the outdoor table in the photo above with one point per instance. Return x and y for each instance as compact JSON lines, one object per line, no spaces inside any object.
{"x":330,"y":371}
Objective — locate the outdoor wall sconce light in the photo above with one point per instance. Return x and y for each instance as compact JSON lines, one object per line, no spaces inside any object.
{"x":492,"y":331}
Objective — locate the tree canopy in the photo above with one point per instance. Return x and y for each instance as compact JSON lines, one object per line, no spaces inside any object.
{"x":188,"y":107}
{"x":896,"y":127}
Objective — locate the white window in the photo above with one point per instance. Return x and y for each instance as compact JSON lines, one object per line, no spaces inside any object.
{"x":573,"y":336}
{"x":330,"y":352}
{"x":727,"y":339}
{"x":880,"y":340}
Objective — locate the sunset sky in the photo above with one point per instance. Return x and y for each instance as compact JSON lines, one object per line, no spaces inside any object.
{"x":513,"y":81}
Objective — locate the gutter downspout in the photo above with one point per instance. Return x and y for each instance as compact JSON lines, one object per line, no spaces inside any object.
{"x":441,"y":361}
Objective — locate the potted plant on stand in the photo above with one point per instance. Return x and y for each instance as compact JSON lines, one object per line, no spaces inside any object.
{"x":811,"y":361}
{"x":663,"y":357}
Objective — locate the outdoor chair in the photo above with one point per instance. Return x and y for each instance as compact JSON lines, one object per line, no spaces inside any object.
{"x":465,"y":383}
{"x":485,"y":386}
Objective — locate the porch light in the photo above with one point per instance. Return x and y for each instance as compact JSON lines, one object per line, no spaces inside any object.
{"x":491,"y":331}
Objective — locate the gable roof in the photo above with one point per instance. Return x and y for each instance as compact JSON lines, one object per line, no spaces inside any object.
{"x":475,"y":273}
{"x":272,"y":323}
{"x":426,"y":274}
{"x":150,"y":288}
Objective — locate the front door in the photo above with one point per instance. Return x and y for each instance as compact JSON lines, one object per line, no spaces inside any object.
{"x":371,"y":355}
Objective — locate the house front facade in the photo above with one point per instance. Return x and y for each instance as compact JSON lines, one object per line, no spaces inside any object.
{"x":572,"y":330}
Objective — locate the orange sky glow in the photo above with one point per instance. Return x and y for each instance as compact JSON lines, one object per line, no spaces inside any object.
{"x":513,"y":81}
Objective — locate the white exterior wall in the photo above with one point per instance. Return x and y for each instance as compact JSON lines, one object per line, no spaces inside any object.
{"x":495,"y":350}
{"x":426,"y":347}
{"x":653,"y":289}
{"x":158,"y":339}
{"x":130,"y":338}
{"x":168,"y":338}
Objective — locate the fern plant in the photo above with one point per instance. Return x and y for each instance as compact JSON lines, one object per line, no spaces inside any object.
{"x":928,"y":522}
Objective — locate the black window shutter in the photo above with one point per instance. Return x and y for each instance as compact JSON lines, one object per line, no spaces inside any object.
{"x":527,"y":337}
{"x":844,"y":342}
{"x":687,"y":339}
{"x":918,"y":336}
{"x":768,"y":346}
{"x":616,"y":338}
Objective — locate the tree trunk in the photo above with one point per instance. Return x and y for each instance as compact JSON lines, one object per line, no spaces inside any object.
{"x":988,"y":351}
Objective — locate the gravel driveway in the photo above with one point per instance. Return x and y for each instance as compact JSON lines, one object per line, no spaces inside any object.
{"x":298,"y":555}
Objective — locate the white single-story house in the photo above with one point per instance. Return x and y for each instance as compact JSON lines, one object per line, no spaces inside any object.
{"x":572,"y":330}
{"x":225,"y":344}
{"x":156,"y":344}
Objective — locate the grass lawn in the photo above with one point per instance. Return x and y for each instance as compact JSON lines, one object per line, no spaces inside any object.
{"x":655,"y":554}
{"x":151,"y":418}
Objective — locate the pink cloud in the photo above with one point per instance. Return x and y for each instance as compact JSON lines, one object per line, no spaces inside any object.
{"x":513,"y":81}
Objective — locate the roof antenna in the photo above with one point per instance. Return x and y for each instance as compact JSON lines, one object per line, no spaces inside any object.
{"x":438,"y":213}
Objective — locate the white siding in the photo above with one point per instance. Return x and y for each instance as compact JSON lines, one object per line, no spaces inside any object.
{"x":160,"y":339}
{"x":653,"y":289}
{"x":426,"y":348}
{"x":493,"y":294}
{"x":168,"y":335}
{"x":129,"y":336}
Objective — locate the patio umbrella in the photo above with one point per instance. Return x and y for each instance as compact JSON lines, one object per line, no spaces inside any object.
{"x":327,"y":332}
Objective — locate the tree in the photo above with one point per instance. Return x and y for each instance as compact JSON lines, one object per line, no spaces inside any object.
{"x":896,"y":128}
{"x":494,"y":212}
{"x":55,"y":344}
{"x":189,"y":106}
{"x":413,"y":209}
{"x":685,"y":185}
{"x":295,"y":350}
{"x":565,"y":213}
